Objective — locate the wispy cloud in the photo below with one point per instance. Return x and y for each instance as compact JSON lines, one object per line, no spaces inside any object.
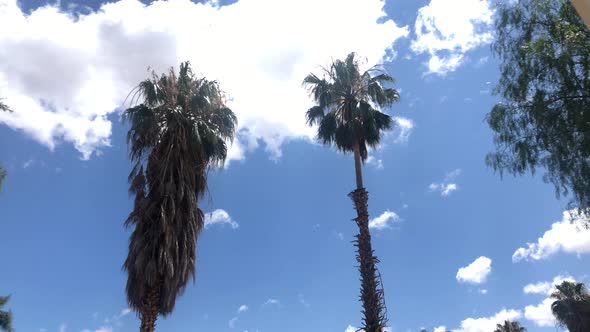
{"x":219,"y":217}
{"x":242,"y":308}
{"x":448,"y":185}
{"x":272,"y":302}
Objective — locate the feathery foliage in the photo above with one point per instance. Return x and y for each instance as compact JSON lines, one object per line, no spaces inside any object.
{"x":5,"y":316}
{"x":177,"y":133}
{"x":543,"y":120}
{"x":572,"y":306}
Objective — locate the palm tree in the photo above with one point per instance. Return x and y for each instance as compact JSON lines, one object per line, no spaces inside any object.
{"x":572,"y":306}
{"x":509,"y":326}
{"x":178,"y":132}
{"x":347,"y":115}
{"x":5,"y":316}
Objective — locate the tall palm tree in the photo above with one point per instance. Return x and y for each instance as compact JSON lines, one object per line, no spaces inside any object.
{"x":177,"y":133}
{"x":572,"y":306}
{"x":509,"y":326}
{"x":347,"y":115}
{"x":5,"y":316}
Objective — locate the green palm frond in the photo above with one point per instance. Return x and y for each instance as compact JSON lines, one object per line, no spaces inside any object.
{"x":571,"y":307}
{"x":348,"y":104}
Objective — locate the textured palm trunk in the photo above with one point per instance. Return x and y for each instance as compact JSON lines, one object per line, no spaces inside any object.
{"x":149,"y":314}
{"x":374,"y":310}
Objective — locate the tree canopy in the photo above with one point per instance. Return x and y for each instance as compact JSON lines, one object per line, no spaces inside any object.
{"x":543,"y":120}
{"x":177,"y":132}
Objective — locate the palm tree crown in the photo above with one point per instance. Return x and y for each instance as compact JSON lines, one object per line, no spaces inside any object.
{"x":347,"y":103}
{"x":509,"y":326}
{"x":177,"y":132}
{"x":572,"y":306}
{"x":5,"y":316}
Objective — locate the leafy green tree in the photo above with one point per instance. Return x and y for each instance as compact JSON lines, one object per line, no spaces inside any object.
{"x":572,"y":306}
{"x":5,"y":316}
{"x":543,"y":120}
{"x":346,"y":117}
{"x":177,"y":133}
{"x":509,"y":326}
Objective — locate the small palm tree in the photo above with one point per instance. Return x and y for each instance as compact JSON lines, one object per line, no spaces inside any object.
{"x":572,"y":306}
{"x":509,"y":326}
{"x":178,"y":132}
{"x":347,"y":115}
{"x":5,"y":316}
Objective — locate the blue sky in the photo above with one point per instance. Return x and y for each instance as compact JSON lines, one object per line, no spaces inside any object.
{"x":276,"y":254}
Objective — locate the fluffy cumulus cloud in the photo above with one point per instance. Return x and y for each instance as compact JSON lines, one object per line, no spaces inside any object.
{"x":242,"y":308}
{"x":448,"y":185}
{"x":384,"y":220}
{"x":219,"y":217}
{"x":487,"y":324}
{"x":541,"y":313}
{"x":257,"y":49}
{"x":546,"y":287}
{"x":476,"y":272}
{"x":569,"y":235}
{"x":447,"y":30}
{"x":440,"y":329}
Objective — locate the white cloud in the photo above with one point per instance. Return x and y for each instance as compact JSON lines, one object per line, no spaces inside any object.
{"x":541,"y":313}
{"x":124,"y":312}
{"x":487,"y":324}
{"x":440,"y":329}
{"x":447,"y":30}
{"x":232,"y":322}
{"x":377,"y":163}
{"x":482,"y":291}
{"x":568,"y":235}
{"x":476,"y":272}
{"x":272,"y":302}
{"x":384,"y":220}
{"x":447,"y":186}
{"x":219,"y":216}
{"x":105,"y":329}
{"x":97,"y":58}
{"x":350,"y":328}
{"x":28,"y":163}
{"x":403,"y":129}
{"x":546,"y":287}
{"x":242,"y":308}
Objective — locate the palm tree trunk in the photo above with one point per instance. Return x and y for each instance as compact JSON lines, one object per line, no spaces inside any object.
{"x":357,"y":166}
{"x":374,"y":311}
{"x":149,"y":314}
